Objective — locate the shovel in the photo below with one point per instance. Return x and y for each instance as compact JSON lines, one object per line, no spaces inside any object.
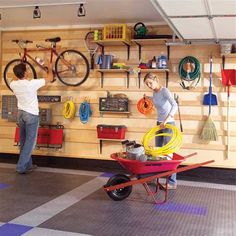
{"x":228,"y":79}
{"x":176,"y":97}
{"x":210,"y":99}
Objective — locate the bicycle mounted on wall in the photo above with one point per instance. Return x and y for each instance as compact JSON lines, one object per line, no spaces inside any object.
{"x":71,"y":66}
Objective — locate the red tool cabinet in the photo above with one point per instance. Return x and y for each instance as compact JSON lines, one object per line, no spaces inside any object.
{"x":111,"y":131}
{"x":49,"y":137}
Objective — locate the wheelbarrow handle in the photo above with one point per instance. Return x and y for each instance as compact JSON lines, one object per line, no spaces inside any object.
{"x":190,"y":155}
{"x":156,"y":176}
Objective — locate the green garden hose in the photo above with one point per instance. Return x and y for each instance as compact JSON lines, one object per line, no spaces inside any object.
{"x":190,"y":71}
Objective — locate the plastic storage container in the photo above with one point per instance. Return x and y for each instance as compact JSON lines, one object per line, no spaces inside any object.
{"x":162,"y":62}
{"x":111,"y":131}
{"x":117,"y":32}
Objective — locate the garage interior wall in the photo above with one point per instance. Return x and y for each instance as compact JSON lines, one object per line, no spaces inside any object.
{"x":80,"y":140}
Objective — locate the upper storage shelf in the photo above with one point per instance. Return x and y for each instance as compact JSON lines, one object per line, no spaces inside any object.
{"x":151,"y":42}
{"x":114,"y":42}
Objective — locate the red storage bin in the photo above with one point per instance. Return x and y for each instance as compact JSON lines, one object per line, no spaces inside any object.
{"x":17,"y":135}
{"x":111,"y":131}
{"x":43,"y":135}
{"x":55,"y":137}
{"x":47,"y":136}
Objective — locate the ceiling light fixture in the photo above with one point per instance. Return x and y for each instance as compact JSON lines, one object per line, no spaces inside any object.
{"x":81,"y":10}
{"x":36,"y":13}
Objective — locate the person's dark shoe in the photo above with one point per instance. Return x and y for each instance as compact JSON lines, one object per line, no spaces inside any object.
{"x":21,"y":173}
{"x":33,"y":167}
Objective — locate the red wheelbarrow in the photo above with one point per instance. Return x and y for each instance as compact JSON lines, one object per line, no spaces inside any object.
{"x":119,"y":186}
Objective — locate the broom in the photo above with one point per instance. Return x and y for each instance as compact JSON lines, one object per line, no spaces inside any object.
{"x":209,"y":132}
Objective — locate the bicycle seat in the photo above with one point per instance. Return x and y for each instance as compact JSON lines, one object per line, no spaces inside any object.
{"x":53,"y":40}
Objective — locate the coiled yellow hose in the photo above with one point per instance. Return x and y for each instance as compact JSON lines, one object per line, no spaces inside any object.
{"x":69,"y":110}
{"x":172,"y":146}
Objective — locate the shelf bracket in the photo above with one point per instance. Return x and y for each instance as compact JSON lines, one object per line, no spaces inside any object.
{"x":128,"y":49}
{"x":167,"y":78}
{"x":168,"y":52}
{"x":139,"y":50}
{"x":102,"y":46}
{"x":102,"y":78}
{"x":100,"y":146}
{"x":139,"y":79}
{"x":223,"y":61}
{"x":127,"y":79}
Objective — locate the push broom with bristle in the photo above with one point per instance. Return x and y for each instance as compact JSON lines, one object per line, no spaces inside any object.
{"x":209,"y":132}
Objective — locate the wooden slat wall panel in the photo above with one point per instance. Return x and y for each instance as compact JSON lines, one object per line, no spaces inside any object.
{"x":80,"y":140}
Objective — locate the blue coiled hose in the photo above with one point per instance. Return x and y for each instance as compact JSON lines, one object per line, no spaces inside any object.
{"x":85,"y":112}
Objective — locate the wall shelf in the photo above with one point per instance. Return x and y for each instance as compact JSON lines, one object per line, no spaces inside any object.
{"x":114,"y":42}
{"x":111,"y":140}
{"x":102,"y":71}
{"x":150,"y":42}
{"x":115,"y":112}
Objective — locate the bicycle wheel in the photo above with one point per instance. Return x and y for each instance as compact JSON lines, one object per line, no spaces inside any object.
{"x":8,"y":73}
{"x":72,"y":68}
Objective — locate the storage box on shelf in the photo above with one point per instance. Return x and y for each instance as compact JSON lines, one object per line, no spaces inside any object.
{"x":119,"y":32}
{"x":110,"y":133}
{"x":115,"y":34}
{"x":50,"y":136}
{"x":114,"y":105}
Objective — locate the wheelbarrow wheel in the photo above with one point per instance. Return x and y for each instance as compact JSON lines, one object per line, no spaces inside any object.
{"x":122,"y":193}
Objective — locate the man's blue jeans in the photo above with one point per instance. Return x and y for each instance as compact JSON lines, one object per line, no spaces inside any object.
{"x":161,"y":141}
{"x":28,"y":124}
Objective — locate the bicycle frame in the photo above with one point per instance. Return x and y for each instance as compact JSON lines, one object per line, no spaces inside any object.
{"x":70,"y":66}
{"x":52,"y":50}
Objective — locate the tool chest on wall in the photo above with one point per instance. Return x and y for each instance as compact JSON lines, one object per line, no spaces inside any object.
{"x":49,"y":137}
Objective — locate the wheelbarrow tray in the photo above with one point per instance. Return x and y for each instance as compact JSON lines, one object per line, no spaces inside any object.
{"x":137,"y":167}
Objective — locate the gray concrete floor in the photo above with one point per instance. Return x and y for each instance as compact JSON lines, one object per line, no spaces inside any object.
{"x":71,"y":202}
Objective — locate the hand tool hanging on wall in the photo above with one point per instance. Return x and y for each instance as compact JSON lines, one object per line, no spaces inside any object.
{"x":91,"y":46}
{"x":209,"y":132}
{"x":176,"y":97}
{"x":228,"y":79}
{"x":189,"y":72}
{"x":210,"y":97}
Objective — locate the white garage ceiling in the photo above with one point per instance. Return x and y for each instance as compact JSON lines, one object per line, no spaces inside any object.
{"x":200,"y":20}
{"x":59,"y":13}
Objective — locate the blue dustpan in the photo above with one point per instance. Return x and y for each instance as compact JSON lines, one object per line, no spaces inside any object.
{"x":210,"y":99}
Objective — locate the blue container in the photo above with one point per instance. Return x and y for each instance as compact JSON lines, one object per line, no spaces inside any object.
{"x":162,"y":62}
{"x":106,"y":61}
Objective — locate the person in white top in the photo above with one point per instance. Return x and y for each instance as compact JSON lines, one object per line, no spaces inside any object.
{"x":25,"y":90}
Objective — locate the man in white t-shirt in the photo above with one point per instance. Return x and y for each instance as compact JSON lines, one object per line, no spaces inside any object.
{"x":25,"y":90}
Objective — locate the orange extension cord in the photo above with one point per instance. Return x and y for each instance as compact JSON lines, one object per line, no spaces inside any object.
{"x":145,"y":105}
